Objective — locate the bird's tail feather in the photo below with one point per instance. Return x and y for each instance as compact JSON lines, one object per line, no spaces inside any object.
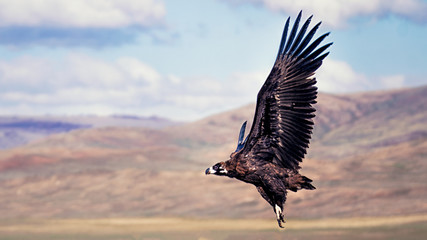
{"x":298,"y":182}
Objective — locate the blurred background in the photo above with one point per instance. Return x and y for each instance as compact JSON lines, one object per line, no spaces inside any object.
{"x":111,"y":110}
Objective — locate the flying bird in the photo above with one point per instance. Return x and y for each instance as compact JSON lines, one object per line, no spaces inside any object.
{"x":269,"y":156}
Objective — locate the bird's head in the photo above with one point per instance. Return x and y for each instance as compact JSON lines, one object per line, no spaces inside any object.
{"x":217,"y":169}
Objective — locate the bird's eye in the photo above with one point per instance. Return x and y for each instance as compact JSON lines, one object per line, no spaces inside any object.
{"x":215,"y":167}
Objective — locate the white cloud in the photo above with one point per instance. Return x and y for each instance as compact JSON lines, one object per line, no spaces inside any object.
{"x":338,"y":76}
{"x":391,"y":82}
{"x":77,"y":79}
{"x":174,"y":79}
{"x":81,"y":13}
{"x":80,"y":84}
{"x":249,"y":83}
{"x":208,"y":95}
{"x":41,"y":75}
{"x":337,"y":13}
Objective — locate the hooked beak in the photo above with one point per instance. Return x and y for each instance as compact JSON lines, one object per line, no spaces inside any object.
{"x":209,"y":171}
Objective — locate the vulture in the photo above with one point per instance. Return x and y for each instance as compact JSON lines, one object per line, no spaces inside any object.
{"x":270,"y":155}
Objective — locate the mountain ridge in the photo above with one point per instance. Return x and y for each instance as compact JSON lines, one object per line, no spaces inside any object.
{"x":20,"y":130}
{"x":367,"y":158}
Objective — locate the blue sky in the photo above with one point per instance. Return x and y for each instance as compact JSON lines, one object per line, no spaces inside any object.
{"x":188,"y":59}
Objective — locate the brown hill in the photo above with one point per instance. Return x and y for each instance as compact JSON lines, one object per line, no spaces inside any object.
{"x":367,"y":158}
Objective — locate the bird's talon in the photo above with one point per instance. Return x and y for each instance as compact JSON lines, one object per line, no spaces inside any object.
{"x":282,"y":219}
{"x":280,"y":223}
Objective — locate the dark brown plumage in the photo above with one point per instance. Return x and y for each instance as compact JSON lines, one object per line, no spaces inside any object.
{"x":269,"y":157}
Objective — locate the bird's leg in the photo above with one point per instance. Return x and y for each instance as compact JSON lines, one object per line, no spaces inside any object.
{"x":279,"y":215}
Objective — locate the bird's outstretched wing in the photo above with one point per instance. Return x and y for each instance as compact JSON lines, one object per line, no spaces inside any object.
{"x":284,"y":114}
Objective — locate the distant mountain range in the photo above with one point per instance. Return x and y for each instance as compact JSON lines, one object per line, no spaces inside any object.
{"x":368,"y":157}
{"x":18,"y":130}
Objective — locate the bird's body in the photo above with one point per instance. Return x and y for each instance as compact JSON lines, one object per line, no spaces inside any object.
{"x":269,"y":157}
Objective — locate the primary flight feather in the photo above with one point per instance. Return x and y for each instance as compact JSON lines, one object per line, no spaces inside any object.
{"x":269,"y":157}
